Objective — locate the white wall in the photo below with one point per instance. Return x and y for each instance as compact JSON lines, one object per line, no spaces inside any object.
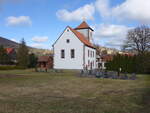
{"x":88,"y":33}
{"x":100,"y":61}
{"x":90,"y":58}
{"x":85,"y":32}
{"x":91,"y":35}
{"x":68,"y":62}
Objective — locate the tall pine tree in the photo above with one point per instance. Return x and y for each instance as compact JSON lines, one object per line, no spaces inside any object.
{"x":32,"y":61}
{"x":22,"y":55}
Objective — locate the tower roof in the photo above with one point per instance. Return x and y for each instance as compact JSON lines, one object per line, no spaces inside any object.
{"x":83,"y":25}
{"x":81,"y":37}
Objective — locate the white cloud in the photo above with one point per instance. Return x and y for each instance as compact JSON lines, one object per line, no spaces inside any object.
{"x":37,"y":45}
{"x":14,"y":40}
{"x":110,"y":35}
{"x":114,"y":42}
{"x":18,"y":21}
{"x":40,"y":39}
{"x":103,"y":7}
{"x":110,"y":30}
{"x":86,"y":12}
{"x":135,"y":10}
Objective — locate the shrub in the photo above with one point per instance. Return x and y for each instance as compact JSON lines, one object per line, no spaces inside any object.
{"x":10,"y":67}
{"x":131,"y":64}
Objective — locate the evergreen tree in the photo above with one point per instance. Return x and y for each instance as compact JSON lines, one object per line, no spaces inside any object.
{"x":32,"y":61}
{"x":22,"y":55}
{"x":143,"y":63}
{"x":132,"y":64}
{"x":146,"y":63}
{"x":125,"y":62}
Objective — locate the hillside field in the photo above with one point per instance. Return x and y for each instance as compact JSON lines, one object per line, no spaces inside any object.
{"x":26,"y":91}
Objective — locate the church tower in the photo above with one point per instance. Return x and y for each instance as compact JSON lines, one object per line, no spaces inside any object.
{"x":85,"y":30}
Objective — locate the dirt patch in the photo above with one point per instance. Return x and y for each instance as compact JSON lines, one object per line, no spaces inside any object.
{"x":10,"y":76}
{"x":114,"y":92}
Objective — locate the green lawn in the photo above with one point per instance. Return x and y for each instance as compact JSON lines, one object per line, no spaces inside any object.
{"x":26,"y":91}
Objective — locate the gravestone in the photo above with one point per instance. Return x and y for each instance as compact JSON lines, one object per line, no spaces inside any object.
{"x":121,"y":76}
{"x":133,"y":76}
{"x":81,"y":72}
{"x":114,"y":75}
{"x":99,"y":74}
{"x":93,"y":72}
{"x":110,"y":74}
{"x":85,"y":72}
{"x":125,"y":76}
{"x":106,"y":74}
{"x":89,"y":72}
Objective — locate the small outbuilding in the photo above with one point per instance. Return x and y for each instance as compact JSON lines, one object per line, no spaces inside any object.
{"x":45,"y":62}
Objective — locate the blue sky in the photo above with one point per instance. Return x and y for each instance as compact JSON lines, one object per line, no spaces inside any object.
{"x":40,"y":22}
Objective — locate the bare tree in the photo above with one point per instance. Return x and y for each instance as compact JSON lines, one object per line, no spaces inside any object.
{"x":138,"y":39}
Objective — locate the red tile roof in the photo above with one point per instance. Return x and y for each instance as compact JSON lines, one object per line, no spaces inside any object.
{"x":83,"y":25}
{"x":107,"y":58}
{"x":9,"y":50}
{"x":82,"y":38}
{"x":43,"y":58}
{"x":128,"y":54}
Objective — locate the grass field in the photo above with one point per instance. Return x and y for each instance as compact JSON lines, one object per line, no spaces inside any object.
{"x":26,"y":91}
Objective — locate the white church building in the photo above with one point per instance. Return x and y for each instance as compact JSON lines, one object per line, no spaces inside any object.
{"x":74,"y":48}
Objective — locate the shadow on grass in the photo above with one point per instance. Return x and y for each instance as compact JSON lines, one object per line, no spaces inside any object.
{"x":145,"y":98}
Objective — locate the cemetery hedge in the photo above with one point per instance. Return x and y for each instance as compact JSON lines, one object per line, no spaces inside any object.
{"x":130,"y":64}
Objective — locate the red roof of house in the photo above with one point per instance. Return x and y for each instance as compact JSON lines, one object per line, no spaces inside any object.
{"x":83,"y":25}
{"x":129,"y":54}
{"x":43,"y":58}
{"x":82,"y":38}
{"x":9,"y":50}
{"x":107,"y":58}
